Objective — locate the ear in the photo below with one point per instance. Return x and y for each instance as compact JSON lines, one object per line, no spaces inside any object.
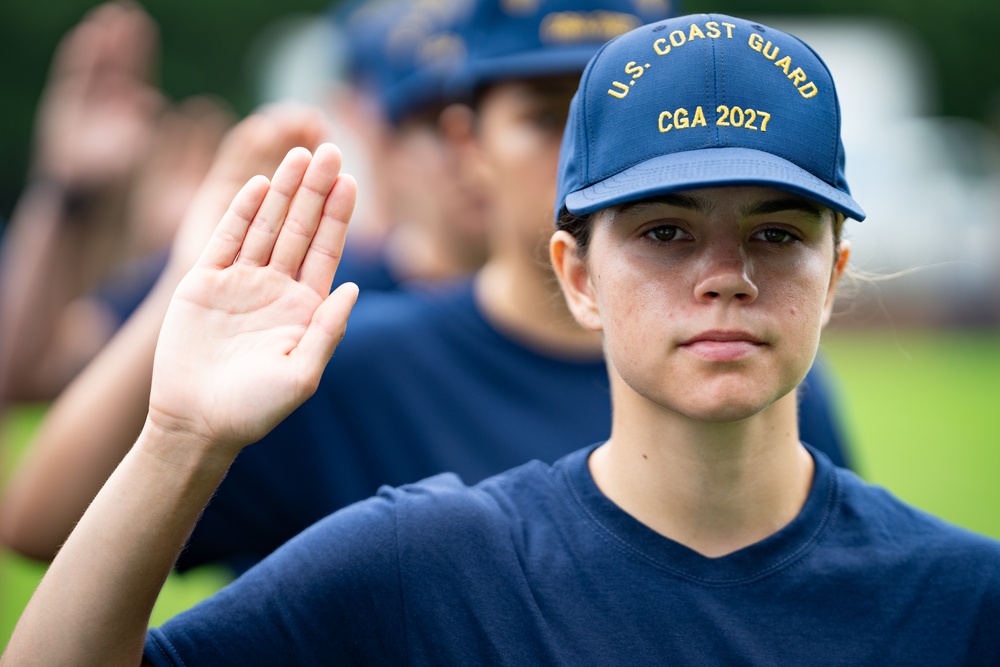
{"x":574,"y":278}
{"x":843,"y":255}
{"x":457,"y":123}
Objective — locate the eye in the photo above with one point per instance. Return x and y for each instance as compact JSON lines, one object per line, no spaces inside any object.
{"x":549,"y":119}
{"x":666,"y":234}
{"x":776,"y":235}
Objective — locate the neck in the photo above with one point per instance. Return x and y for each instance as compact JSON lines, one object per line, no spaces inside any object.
{"x":522,"y":299}
{"x":715,"y":488}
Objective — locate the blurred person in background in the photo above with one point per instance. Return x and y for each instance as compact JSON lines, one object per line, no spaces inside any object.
{"x":423,"y":221}
{"x":114,"y":166}
{"x":104,"y":397}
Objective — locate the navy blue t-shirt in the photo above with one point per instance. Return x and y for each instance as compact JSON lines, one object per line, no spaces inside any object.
{"x":421,"y":384}
{"x":537,"y":567}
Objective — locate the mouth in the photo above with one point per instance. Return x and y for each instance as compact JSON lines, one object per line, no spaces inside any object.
{"x":723,"y":345}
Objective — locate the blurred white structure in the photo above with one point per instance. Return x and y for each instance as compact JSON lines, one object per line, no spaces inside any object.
{"x":930,"y":185}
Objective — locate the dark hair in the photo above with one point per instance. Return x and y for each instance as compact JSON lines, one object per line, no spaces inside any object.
{"x":578,"y":227}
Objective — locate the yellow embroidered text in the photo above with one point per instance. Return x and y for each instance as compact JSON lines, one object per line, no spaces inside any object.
{"x":678,"y":38}
{"x":770,"y":51}
{"x":682,"y":119}
{"x":636,"y":71}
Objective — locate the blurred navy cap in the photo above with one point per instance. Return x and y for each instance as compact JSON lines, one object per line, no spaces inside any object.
{"x":403,"y":51}
{"x":510,"y":39}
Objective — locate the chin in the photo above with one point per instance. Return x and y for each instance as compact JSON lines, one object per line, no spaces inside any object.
{"x":725,"y":413}
{"x":729,"y":403}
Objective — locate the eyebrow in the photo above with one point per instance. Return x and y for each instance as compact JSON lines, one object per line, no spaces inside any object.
{"x":677,"y":200}
{"x":700,"y":205}
{"x":798,"y":204}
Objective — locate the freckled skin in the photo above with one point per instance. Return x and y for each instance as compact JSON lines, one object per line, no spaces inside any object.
{"x":721,"y":276}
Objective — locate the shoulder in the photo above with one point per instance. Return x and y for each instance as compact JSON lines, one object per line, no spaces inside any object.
{"x":902,"y":530}
{"x":443,"y":504}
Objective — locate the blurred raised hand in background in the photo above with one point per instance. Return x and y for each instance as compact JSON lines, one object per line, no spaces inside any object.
{"x":114,"y":166}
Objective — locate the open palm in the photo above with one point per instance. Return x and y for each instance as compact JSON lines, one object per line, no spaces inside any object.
{"x":251,"y":327}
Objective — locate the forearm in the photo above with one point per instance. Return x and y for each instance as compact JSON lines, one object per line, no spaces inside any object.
{"x":243,"y":343}
{"x":84,"y":436}
{"x":94,"y":603}
{"x":56,"y":249}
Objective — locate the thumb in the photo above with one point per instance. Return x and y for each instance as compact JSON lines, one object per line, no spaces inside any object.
{"x":326,"y":329}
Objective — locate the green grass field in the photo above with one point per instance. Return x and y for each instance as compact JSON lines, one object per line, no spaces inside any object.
{"x":922,"y":411}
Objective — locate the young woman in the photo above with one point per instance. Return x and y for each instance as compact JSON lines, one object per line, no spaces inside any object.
{"x":701,"y":532}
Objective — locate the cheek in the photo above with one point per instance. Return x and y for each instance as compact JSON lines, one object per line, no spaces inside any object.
{"x":796,"y":306}
{"x":524,"y":195}
{"x":415,"y":166}
{"x":637,"y":313}
{"x":807,"y":295}
{"x":525,"y":160}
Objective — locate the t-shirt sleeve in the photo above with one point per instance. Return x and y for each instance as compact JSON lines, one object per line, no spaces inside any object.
{"x":328,"y":596}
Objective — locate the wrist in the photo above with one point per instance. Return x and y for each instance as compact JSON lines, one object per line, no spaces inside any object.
{"x":78,"y":203}
{"x":183,"y":449}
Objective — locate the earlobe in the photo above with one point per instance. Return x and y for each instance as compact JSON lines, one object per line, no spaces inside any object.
{"x":574,"y":279}
{"x":843,"y":256}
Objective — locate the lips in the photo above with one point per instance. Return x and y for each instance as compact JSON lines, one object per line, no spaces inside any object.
{"x":722,"y":345}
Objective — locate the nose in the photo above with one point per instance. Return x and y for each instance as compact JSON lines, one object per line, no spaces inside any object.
{"x":725,"y":275}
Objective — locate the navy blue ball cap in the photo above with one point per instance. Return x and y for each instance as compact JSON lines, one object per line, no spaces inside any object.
{"x":703,"y":101}
{"x":514,"y":39}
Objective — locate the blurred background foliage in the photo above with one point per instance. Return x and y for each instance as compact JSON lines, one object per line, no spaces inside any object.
{"x":205,"y":46}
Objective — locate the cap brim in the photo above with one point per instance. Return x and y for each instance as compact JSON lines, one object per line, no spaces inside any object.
{"x":525,"y":65}
{"x":709,"y":168}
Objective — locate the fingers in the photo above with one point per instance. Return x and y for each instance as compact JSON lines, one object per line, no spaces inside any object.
{"x":306,"y":211}
{"x":263,"y":233}
{"x":256,"y":145}
{"x":133,"y":40}
{"x":227,"y":240}
{"x":296,"y":224}
{"x":323,"y":257}
{"x":116,"y":40}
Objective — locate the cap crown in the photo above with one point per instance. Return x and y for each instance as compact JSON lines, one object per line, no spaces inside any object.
{"x":702,"y":101}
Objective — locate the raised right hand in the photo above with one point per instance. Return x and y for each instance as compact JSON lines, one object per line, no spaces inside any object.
{"x":252,"y":326}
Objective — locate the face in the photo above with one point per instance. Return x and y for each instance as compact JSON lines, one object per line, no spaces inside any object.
{"x":424,"y":189}
{"x":710,"y":302}
{"x":518,"y":133}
